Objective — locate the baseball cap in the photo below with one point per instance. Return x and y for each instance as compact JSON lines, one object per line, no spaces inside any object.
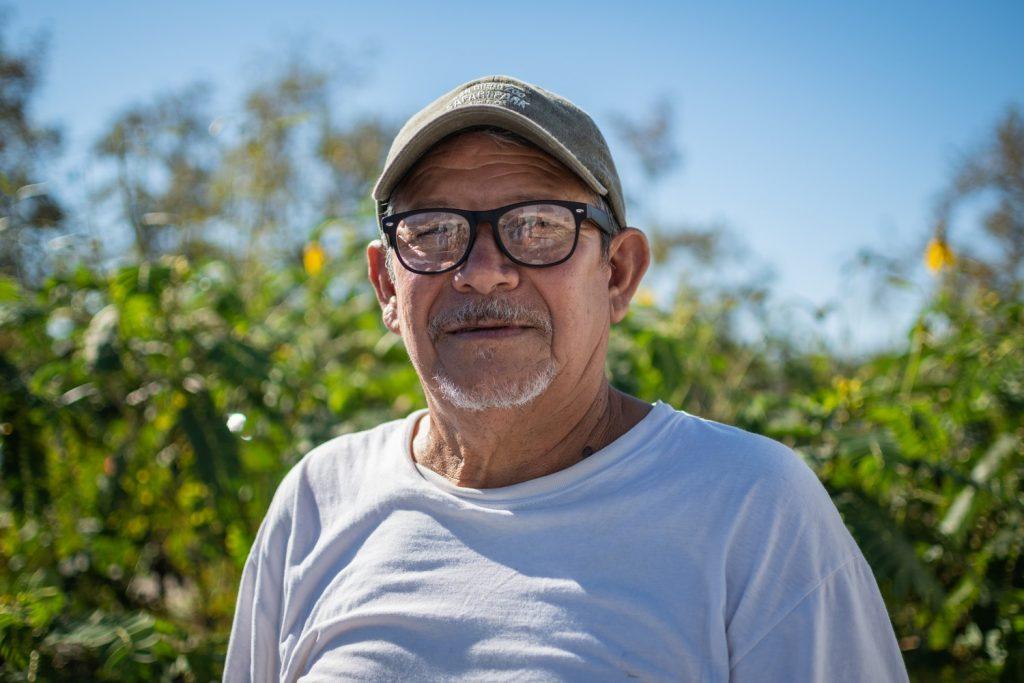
{"x":550,"y":121}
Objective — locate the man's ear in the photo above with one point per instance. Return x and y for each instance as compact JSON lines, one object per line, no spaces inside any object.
{"x":383,"y":285}
{"x":629,"y":256}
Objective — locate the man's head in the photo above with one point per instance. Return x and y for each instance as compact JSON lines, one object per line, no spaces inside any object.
{"x":492,"y":333}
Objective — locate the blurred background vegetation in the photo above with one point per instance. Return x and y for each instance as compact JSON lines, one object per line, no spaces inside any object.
{"x":207,"y":322}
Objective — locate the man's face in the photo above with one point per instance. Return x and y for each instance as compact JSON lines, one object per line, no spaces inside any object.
{"x":554,"y":331}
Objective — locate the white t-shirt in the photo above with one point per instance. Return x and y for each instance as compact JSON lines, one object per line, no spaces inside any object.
{"x":686,"y":550}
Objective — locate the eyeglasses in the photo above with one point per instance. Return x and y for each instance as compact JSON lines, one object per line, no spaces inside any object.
{"x":538,"y":233}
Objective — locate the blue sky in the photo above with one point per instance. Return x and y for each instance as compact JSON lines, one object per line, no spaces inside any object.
{"x":810,"y":129}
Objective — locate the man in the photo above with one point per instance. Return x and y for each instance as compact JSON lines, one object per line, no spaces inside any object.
{"x":534,"y":523}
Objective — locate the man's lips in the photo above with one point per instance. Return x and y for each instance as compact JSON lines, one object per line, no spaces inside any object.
{"x":487,"y":330}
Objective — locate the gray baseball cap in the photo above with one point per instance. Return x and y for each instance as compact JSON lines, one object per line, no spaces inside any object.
{"x":550,"y":121}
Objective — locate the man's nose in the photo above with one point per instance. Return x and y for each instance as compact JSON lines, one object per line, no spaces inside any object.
{"x":487,"y":269}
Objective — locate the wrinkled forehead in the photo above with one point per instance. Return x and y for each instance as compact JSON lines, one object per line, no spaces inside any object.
{"x":487,"y":156}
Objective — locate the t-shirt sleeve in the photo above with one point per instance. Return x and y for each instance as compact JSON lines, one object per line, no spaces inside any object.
{"x":253,"y":647}
{"x":840,"y":632}
{"x":802,"y":602}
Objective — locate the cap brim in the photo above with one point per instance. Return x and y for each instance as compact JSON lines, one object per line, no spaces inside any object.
{"x":477,"y":115}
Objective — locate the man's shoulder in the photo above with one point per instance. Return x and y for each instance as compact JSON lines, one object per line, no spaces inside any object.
{"x":732,"y":453}
{"x":354,"y":449}
{"x":749,"y":483}
{"x":340,"y":466}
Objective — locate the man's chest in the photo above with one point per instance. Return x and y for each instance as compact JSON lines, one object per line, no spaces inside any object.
{"x":408,"y":594}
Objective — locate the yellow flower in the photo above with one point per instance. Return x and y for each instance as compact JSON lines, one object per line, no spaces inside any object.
{"x":645,"y":297}
{"x":180,"y":265}
{"x":938,"y":255}
{"x":313,"y":258}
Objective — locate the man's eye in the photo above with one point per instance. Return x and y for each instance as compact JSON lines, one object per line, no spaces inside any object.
{"x":525,"y":223}
{"x":533,"y":228}
{"x":438,"y":230}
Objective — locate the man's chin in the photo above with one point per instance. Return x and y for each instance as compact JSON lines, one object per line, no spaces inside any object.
{"x":493,"y":388}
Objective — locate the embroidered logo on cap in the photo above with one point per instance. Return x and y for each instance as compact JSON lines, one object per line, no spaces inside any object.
{"x":501,"y":94}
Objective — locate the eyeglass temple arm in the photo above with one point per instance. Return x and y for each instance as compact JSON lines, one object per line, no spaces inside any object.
{"x":602,"y":218}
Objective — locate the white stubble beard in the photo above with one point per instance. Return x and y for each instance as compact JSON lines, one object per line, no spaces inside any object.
{"x":497,"y":394}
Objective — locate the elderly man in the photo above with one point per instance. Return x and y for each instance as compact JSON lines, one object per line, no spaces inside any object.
{"x":534,"y":523}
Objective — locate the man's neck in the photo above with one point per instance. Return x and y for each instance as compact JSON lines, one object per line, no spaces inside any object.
{"x":489,"y":449}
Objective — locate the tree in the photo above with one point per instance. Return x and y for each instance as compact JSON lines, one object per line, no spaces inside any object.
{"x":250,"y":185}
{"x":164,"y":156}
{"x":27,"y":210}
{"x":994,"y":172}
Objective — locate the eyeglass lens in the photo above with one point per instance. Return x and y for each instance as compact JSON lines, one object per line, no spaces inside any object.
{"x":538,"y":234}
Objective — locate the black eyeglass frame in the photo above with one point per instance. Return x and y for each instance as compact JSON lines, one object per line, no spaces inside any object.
{"x":581,"y":211}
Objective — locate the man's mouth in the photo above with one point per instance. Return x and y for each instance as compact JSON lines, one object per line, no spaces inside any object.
{"x":482,"y":330}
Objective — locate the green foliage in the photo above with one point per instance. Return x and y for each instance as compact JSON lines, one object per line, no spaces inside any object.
{"x":148,"y":414}
{"x":147,"y":418}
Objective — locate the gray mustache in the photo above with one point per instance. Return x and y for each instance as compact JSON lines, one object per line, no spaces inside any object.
{"x":473,"y":311}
